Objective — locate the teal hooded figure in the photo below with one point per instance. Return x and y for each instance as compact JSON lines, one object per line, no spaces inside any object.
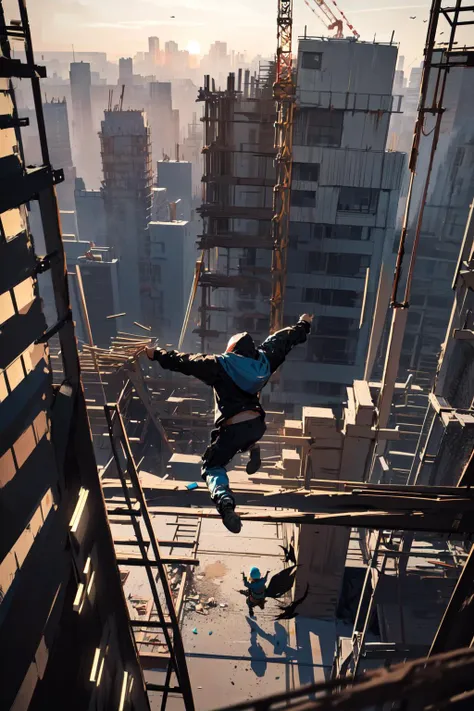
{"x":237,"y":377}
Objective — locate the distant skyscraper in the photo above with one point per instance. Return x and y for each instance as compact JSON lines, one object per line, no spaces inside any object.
{"x":171,"y":52}
{"x":161,"y":119}
{"x":126,"y":70}
{"x":171,"y":47}
{"x":126,"y":156}
{"x":154,"y":50}
{"x":218,"y":50}
{"x":82,"y":131}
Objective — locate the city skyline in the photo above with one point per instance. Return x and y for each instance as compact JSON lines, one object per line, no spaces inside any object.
{"x":245,"y":26}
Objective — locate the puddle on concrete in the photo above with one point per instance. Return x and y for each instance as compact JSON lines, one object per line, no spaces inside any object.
{"x":215,"y":570}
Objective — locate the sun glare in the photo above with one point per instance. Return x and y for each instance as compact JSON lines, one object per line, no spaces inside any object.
{"x":193,"y":47}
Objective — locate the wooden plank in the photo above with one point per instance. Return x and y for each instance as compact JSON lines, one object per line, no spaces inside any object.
{"x":20,"y":331}
{"x":166,"y":560}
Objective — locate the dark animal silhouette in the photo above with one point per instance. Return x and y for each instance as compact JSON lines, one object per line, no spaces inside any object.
{"x":289,"y":552}
{"x":288,"y":612}
{"x":412,"y":17}
{"x":281,"y":583}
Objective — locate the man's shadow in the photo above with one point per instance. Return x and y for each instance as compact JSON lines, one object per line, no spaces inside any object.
{"x":279,"y":640}
{"x":257,"y":655}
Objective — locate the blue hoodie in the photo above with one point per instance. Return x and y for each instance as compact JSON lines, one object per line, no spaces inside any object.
{"x":249,"y":374}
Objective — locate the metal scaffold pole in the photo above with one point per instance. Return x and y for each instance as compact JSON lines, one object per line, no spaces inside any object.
{"x":431,"y":102}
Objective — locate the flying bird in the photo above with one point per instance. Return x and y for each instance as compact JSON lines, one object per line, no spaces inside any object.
{"x":289,"y":552}
{"x":412,"y":17}
{"x":425,"y":20}
{"x":172,"y":17}
{"x":289,"y":612}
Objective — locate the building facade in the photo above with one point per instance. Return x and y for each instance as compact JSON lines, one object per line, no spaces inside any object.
{"x":345,"y":190}
{"x":85,"y":143}
{"x":127,"y":191}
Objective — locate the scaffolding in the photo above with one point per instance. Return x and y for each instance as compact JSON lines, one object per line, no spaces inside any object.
{"x":236,"y":207}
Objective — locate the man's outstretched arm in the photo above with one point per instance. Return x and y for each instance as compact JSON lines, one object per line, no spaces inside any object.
{"x":203,"y":367}
{"x":277,"y":346}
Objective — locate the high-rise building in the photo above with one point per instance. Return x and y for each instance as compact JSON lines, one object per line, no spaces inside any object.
{"x":218,"y":50}
{"x":57,"y":132}
{"x":90,"y":214}
{"x":85,"y":144}
{"x":344,"y":200}
{"x":100,"y":280}
{"x":176,"y":177}
{"x":170,"y":285}
{"x":126,"y":70}
{"x":239,"y":175}
{"x":154,"y":51}
{"x":171,"y":51}
{"x":161,"y":120}
{"x":126,"y":158}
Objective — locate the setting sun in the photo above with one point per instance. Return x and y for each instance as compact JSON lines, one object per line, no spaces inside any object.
{"x":193,"y":47}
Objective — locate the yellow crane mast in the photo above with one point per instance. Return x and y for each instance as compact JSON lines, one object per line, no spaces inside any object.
{"x":284,"y":95}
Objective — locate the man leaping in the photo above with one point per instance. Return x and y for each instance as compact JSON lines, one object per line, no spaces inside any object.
{"x":237,"y":377}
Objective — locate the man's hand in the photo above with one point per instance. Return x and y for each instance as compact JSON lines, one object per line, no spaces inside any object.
{"x":144,"y":349}
{"x":307,"y":317}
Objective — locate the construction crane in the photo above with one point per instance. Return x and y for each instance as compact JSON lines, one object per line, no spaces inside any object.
{"x":335,"y":22}
{"x":284,"y":95}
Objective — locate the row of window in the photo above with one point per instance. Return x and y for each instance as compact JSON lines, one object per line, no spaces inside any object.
{"x":306,"y":231}
{"x":361,"y":200}
{"x":336,"y":264}
{"x":332,"y":297}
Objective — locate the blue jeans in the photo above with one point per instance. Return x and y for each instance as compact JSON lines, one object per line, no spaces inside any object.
{"x":225,"y":443}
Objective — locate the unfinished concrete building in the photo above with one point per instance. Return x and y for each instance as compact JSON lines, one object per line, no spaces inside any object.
{"x":235,"y":280}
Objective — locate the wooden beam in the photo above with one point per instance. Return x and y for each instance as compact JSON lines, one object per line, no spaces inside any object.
{"x":169,"y":560}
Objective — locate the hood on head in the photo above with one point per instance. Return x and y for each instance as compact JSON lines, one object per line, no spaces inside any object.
{"x":242,"y":344}
{"x":250,"y":374}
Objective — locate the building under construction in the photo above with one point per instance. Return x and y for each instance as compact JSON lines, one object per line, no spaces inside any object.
{"x":118,"y":584}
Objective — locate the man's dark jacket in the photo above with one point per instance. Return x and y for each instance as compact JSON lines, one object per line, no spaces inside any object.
{"x":230,"y":398}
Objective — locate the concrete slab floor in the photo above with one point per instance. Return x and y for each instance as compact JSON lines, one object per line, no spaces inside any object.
{"x":230,"y":657}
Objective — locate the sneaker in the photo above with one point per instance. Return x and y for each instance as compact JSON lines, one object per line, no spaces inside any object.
{"x":254,"y":463}
{"x":230,"y":519}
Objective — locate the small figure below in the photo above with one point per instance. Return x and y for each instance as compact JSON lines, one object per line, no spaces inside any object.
{"x":256,"y":589}
{"x":237,"y":378}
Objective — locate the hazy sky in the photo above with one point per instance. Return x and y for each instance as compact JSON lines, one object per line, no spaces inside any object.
{"x":121,"y":27}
